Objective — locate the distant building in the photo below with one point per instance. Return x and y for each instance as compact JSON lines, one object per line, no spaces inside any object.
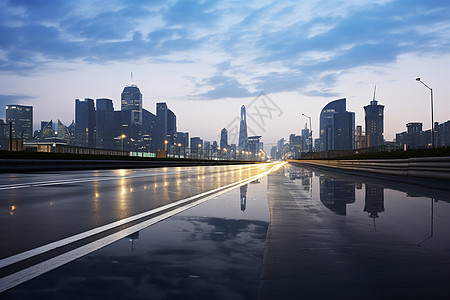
{"x":253,"y":146}
{"x":280,"y":148}
{"x":63,"y":132}
{"x":442,"y":132}
{"x":243,"y":136}
{"x":104,"y":123}
{"x":306,"y":140}
{"x":374,"y":123}
{"x":85,"y":123}
{"x":149,"y":121}
{"x":337,"y":127}
{"x":196,"y":146}
{"x":360,"y":138}
{"x":161,"y":125}
{"x":326,"y":122}
{"x":131,"y":101}
{"x":343,"y":129}
{"x":21,"y":117}
{"x":274,"y":152}
{"x":4,"y":141}
{"x":224,"y":138}
{"x":296,"y":145}
{"x":47,"y":129}
{"x":412,"y":138}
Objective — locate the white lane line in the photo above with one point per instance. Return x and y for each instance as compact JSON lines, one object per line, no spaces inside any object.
{"x":19,"y":277}
{"x":90,"y":179}
{"x":39,"y":250}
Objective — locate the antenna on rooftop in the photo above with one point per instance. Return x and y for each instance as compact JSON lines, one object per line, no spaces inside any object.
{"x":374,"y":91}
{"x":131,"y":77}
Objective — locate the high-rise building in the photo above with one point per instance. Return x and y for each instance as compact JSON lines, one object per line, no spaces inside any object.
{"x":21,"y":117}
{"x":149,"y":121}
{"x":306,"y":139}
{"x":224,"y":138}
{"x":4,"y":141}
{"x":360,"y":138}
{"x":196,"y":146}
{"x":85,"y":123}
{"x":131,"y":100}
{"x":374,"y":123}
{"x":104,"y":117}
{"x":243,"y":136}
{"x":343,"y":131}
{"x":161,"y":125}
{"x":253,"y":146}
{"x":326,"y":122}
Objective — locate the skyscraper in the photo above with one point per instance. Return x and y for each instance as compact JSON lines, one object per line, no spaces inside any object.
{"x":148,"y":130}
{"x":85,"y":123}
{"x":326,"y":122}
{"x":21,"y":117}
{"x":343,"y":131}
{"x":243,"y":137}
{"x":104,"y":117}
{"x":374,"y":123}
{"x":131,"y":101}
{"x":161,"y":125}
{"x":224,"y":138}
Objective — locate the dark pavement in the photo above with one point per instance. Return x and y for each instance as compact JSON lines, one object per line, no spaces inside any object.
{"x":316,"y":250}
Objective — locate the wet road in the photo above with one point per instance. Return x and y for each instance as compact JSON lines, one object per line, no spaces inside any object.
{"x":301,"y":232}
{"x":39,"y":208}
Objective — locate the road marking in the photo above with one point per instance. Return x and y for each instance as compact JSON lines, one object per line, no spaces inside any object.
{"x":89,"y":179}
{"x":31,"y":272}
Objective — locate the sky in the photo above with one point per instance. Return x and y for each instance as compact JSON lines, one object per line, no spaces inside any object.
{"x":207,"y":58}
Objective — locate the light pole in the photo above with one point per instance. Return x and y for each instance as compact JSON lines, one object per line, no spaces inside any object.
{"x":199,"y":148}
{"x":122,"y":137}
{"x":310,"y":133}
{"x":179,"y":150}
{"x":432,"y":115}
{"x":165,"y":146}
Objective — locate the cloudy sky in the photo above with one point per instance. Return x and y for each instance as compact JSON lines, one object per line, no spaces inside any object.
{"x":207,"y":58}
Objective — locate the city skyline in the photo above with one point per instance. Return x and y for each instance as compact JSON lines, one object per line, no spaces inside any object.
{"x":221,"y":56}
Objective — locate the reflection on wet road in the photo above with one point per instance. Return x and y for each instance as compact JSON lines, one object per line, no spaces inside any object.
{"x":212,"y":251}
{"x":299,"y":232}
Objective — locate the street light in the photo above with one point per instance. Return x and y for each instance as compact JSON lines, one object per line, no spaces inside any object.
{"x":165,"y":145}
{"x":432,"y":116}
{"x":122,"y":137}
{"x":310,"y":133}
{"x":179,"y":150}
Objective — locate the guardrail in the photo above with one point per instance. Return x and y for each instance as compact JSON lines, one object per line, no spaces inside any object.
{"x":424,"y":167}
{"x":39,"y":165}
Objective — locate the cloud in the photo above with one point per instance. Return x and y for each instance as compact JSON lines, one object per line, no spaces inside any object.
{"x":224,"y":87}
{"x":277,"y":46}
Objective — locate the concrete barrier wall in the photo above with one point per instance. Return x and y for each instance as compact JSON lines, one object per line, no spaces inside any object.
{"x":39,"y":165}
{"x":426,"y":167}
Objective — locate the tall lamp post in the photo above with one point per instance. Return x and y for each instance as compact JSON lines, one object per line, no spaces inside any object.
{"x":310,"y":133}
{"x":432,"y":114}
{"x":179,"y":150}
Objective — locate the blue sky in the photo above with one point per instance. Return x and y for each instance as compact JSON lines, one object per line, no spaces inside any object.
{"x":207,"y":58}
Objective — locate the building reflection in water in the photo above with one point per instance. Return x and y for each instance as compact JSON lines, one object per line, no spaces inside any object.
{"x":304,"y":175}
{"x":243,"y":189}
{"x":374,"y":203}
{"x":335,"y":194}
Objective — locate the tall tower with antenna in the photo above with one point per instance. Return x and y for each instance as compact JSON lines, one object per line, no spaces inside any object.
{"x":374,"y":122}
